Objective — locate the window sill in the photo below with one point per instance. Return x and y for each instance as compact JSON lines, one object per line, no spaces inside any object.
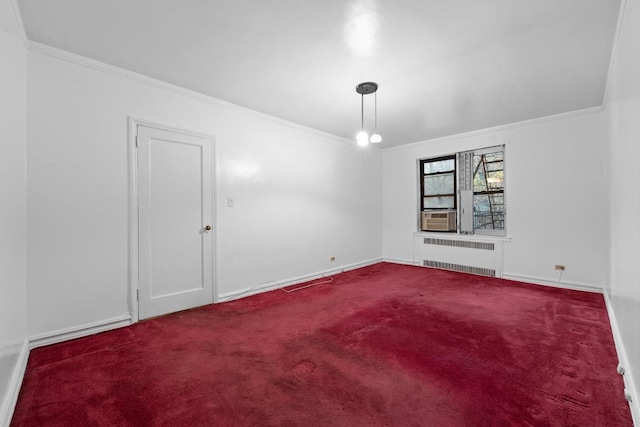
{"x":457,"y":236}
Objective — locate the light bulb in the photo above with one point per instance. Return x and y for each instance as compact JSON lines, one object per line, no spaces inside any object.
{"x":376,"y":138}
{"x":362,"y":138}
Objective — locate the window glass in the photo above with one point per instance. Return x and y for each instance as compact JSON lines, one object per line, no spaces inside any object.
{"x":488,"y":191}
{"x":446,"y":202}
{"x":445,"y":165}
{"x":438,"y":184}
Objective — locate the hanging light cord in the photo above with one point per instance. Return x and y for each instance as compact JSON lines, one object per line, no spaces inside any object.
{"x":375,"y":94}
{"x":362,"y":111}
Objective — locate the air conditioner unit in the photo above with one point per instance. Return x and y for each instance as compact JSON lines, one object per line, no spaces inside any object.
{"x":439,"y":221}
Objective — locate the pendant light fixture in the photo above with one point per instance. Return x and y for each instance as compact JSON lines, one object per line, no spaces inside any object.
{"x":375,"y":138}
{"x":362,"y":138}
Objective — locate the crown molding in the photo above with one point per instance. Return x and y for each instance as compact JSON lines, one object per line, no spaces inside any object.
{"x":614,"y":51}
{"x":83,"y":61}
{"x":502,"y":128}
{"x":18,"y":18}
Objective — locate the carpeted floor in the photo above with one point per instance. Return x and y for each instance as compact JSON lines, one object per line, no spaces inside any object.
{"x":385,"y":345}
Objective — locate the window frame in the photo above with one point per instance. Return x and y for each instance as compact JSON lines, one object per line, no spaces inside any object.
{"x":422,"y":175}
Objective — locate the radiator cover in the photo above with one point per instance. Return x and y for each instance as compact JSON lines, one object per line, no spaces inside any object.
{"x":481,"y":256}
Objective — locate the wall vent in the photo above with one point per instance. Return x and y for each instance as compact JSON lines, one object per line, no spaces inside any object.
{"x":460,"y":243}
{"x":461,"y":268}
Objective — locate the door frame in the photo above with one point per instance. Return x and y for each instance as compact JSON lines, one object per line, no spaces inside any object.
{"x":133,"y":216}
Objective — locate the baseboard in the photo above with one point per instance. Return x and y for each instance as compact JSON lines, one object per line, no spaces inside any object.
{"x":576,"y":286}
{"x":628,"y":379}
{"x":269,"y":286}
{"x":15,"y":383}
{"x":60,"y":335}
{"x":400,"y":261}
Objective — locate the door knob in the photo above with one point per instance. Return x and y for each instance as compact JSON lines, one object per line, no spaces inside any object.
{"x":208,"y":227}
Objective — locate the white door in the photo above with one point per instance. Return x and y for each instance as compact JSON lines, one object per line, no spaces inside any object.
{"x":175,"y":219}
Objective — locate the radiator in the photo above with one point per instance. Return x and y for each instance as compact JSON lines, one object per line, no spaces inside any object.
{"x":464,"y":254}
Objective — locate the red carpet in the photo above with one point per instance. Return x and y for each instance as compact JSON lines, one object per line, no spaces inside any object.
{"x":386,"y":345}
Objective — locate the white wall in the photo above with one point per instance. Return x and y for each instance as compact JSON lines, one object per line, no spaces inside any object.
{"x":300,"y":196}
{"x":12,"y":203}
{"x":555,"y":194}
{"x":623,"y":110}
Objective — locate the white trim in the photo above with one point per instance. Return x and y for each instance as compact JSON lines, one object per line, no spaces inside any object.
{"x":15,"y":383}
{"x":614,"y":52}
{"x":355,"y":266}
{"x":563,"y":284}
{"x":133,"y":124}
{"x":276,"y":284}
{"x":458,"y":236}
{"x":501,"y":128}
{"x":624,"y":361}
{"x":159,"y":84}
{"x":399,"y":261}
{"x":66,"y":334}
{"x":20,"y":24}
{"x":177,"y":129}
{"x":132,"y":300}
{"x":214,"y":224}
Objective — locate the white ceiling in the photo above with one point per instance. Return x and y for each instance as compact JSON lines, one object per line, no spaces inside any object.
{"x":444,"y":67}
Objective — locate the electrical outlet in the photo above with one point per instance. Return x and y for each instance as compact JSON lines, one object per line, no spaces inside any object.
{"x":230,"y":202}
{"x":560,"y":267}
{"x":332,"y":258}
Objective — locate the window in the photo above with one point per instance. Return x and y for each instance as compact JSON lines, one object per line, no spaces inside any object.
{"x":488,"y":190}
{"x":438,"y":183}
{"x":471,"y":183}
